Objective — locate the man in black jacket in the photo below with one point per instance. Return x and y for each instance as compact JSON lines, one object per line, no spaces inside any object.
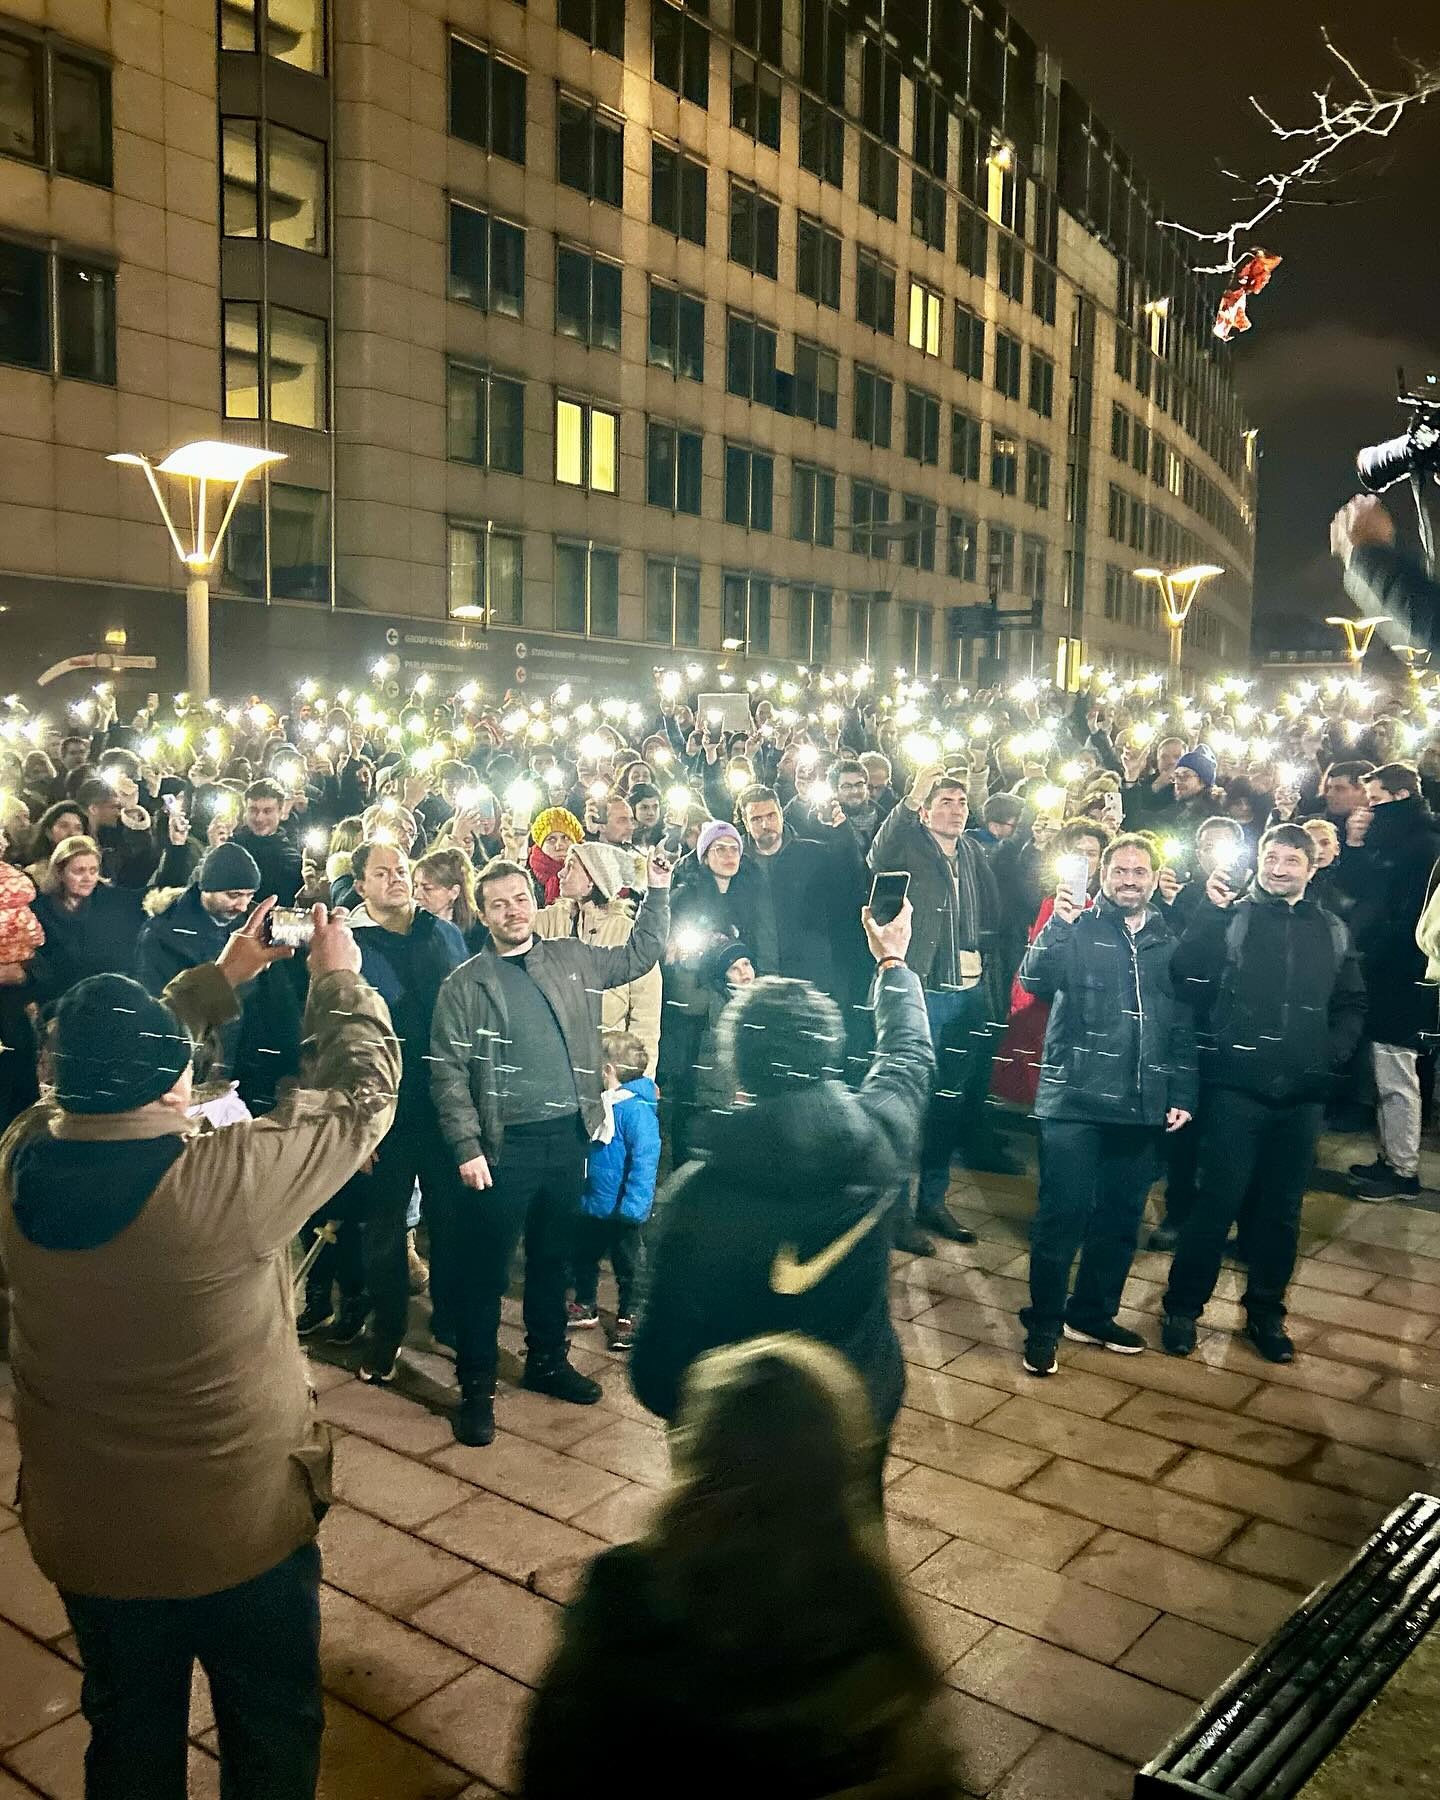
{"x":1277,"y":988}
{"x":744,"y":1247}
{"x":1119,"y":1069}
{"x":1392,"y":844}
{"x":957,"y":920}
{"x":803,"y":886}
{"x":265,"y":836}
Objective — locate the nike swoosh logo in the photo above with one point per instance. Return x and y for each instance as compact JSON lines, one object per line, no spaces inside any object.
{"x":789,"y":1276}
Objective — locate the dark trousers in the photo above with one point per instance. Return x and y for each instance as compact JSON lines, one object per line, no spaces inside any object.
{"x":539,"y":1176}
{"x":963,"y":1054}
{"x":409,"y":1151}
{"x":341,"y":1264}
{"x":1182,"y":1153}
{"x":620,"y":1240}
{"x":1263,"y":1149}
{"x":259,"y":1645}
{"x":1093,"y":1183}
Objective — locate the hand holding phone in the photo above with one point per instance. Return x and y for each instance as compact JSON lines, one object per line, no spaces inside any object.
{"x":888,"y":891}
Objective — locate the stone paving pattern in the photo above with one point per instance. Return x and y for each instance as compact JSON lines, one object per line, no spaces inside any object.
{"x":1091,"y":1554}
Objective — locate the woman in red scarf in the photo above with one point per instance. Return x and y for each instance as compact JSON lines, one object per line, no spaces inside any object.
{"x":551,"y":836}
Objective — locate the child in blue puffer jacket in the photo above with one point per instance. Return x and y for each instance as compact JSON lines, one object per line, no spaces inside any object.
{"x":619,"y":1187}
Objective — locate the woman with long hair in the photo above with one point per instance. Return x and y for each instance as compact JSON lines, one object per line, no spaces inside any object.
{"x":444,"y":884}
{"x":757,"y":1639}
{"x":91,"y":927}
{"x":62,"y":820}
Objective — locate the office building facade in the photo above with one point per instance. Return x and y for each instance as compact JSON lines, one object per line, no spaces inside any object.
{"x":594,"y":335}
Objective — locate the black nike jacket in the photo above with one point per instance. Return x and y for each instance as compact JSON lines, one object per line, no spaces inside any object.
{"x":783,"y":1227}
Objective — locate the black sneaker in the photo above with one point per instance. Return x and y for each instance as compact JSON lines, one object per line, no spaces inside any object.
{"x":1039,"y":1357}
{"x":1108,"y":1337}
{"x":941,"y":1224}
{"x":473,"y":1420}
{"x":1163,"y":1237}
{"x":1385,"y":1186}
{"x":350,"y":1321}
{"x":317,"y":1315}
{"x":1371,"y":1170}
{"x":912,"y":1239}
{"x":378,"y":1366}
{"x":623,"y":1336}
{"x":1177,"y":1336}
{"x":554,"y":1376}
{"x":1271,"y":1342}
{"x":578,"y":1315}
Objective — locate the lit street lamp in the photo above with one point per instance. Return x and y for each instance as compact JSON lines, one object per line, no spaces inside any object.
{"x":200,"y":466}
{"x":1178,"y":588}
{"x":1357,"y":634}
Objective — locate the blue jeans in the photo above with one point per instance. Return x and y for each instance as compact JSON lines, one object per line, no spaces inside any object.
{"x":1093,"y":1183}
{"x":259,"y":1645}
{"x":958,"y":1030}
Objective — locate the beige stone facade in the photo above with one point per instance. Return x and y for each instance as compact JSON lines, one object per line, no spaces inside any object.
{"x":389,"y":511}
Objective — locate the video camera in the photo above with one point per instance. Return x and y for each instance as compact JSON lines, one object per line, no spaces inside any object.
{"x":1416,"y":452}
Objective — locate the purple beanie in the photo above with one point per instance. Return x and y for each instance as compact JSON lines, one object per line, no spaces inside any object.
{"x":713,"y":833}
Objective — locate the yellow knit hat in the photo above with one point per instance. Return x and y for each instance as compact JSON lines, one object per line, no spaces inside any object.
{"x":556,"y":818}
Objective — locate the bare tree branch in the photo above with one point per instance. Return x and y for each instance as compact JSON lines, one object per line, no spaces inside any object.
{"x":1371,"y":112}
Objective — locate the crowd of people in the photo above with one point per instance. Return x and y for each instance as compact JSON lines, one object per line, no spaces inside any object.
{"x":396,"y":982}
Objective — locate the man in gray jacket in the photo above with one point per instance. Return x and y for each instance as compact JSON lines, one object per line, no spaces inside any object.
{"x":515,"y":1073}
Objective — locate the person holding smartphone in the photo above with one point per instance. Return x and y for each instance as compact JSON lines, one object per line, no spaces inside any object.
{"x":1118,"y":1072}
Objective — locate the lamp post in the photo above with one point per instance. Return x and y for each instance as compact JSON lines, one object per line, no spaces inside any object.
{"x":1178,"y":588}
{"x":200,"y":466}
{"x":1357,"y":634}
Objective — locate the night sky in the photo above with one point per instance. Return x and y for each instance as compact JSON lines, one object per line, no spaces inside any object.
{"x":1359,"y":290}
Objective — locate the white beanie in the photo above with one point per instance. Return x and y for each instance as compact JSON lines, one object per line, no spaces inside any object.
{"x":605,"y":866}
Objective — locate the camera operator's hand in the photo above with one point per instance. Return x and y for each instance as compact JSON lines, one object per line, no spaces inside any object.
{"x":1360,"y":521}
{"x":892,"y":939}
{"x":333,"y":949}
{"x":245,"y":953}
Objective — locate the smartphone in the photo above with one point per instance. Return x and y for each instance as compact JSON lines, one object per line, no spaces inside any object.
{"x":289,"y":927}
{"x":887,"y":896}
{"x":1074,"y":871}
{"x":673,"y":842}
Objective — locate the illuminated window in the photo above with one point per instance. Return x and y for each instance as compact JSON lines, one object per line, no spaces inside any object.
{"x":586,"y":445}
{"x":925,"y":306}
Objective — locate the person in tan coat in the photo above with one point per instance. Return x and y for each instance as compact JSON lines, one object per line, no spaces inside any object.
{"x":173,"y":1471}
{"x":590,"y":910}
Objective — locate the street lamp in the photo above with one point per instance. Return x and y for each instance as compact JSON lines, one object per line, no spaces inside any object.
{"x":1178,"y":588}
{"x":1357,"y":634}
{"x":201,"y":466}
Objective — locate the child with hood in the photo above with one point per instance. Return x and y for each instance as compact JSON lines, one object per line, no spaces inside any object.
{"x":619,"y":1187}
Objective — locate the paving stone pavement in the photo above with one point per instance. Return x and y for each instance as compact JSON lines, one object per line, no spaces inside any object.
{"x":1091,"y":1554}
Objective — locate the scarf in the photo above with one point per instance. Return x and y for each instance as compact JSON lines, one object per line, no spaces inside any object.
{"x":546,"y":871}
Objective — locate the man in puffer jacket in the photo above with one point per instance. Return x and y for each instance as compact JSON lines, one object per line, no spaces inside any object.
{"x":619,"y":1187}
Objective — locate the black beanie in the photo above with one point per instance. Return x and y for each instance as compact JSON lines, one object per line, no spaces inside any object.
{"x":229,"y":867}
{"x":116,"y":1047}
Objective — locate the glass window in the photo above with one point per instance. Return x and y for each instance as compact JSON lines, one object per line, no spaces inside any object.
{"x":749,"y":487}
{"x":295,"y":33}
{"x":750,"y":358}
{"x":22,"y":88}
{"x":487,"y":261}
{"x":1037,"y":476}
{"x":601,"y":23}
{"x":240,"y":178}
{"x":927,"y":210}
{"x":812,"y":504}
{"x":487,"y":101}
{"x":1011,"y":267}
{"x":817,"y":383}
{"x":872,"y":407}
{"x":924,"y":319}
{"x":587,"y":589}
{"x":682,"y":52}
{"x":590,"y":150}
{"x":587,"y":298}
{"x":237,"y":25}
{"x":87,"y":320}
{"x":24,"y":306}
{"x":1002,"y":559}
{"x":754,"y":99}
{"x":82,"y":119}
{"x":296,"y":196}
{"x":673,"y":467}
{"x":243,"y":560}
{"x":486,"y":418}
{"x":745,"y":612}
{"x":486,"y":574}
{"x":874,"y":292}
{"x":297,"y":369}
{"x":242,"y":359}
{"x":962,"y":547}
{"x":869,"y":506}
{"x":811,"y":614}
{"x":672,"y":603}
{"x":1034,"y":560}
{"x":572,"y":570}
{"x":754,"y":230}
{"x":1004,"y":463}
{"x":587,"y":445}
{"x":858,"y":626}
{"x":969,"y":342}
{"x":922,"y":426}
{"x":817,"y":261}
{"x":677,"y":332}
{"x":822,"y":141}
{"x":677,"y":192}
{"x":1042,"y":384}
{"x":299,"y":543}
{"x":879,"y":179}
{"x":917,"y":547}
{"x":972,"y":242}
{"x":964,"y":445}
{"x":1007,"y":364}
